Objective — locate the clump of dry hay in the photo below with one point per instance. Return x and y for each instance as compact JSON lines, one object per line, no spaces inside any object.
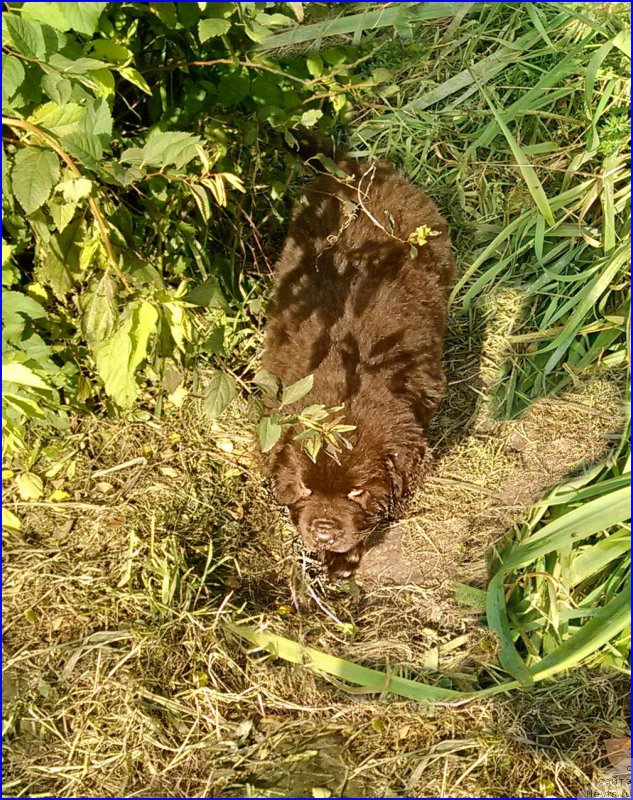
{"x":119,"y":680}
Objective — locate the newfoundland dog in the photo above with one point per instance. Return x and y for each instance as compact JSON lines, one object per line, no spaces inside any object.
{"x":359,"y":302}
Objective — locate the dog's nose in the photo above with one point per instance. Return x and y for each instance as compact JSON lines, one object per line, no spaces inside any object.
{"x":324,"y":530}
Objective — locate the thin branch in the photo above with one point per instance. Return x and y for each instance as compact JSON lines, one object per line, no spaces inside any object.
{"x":231,"y":62}
{"x":94,"y":207}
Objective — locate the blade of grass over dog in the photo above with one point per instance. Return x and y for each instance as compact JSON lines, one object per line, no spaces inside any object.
{"x":526,"y":169}
{"x":397,"y":14}
{"x":371,"y":680}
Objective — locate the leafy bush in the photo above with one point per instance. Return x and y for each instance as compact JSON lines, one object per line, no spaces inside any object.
{"x":134,"y":186}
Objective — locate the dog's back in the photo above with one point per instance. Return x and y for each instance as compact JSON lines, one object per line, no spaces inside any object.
{"x":351,"y":304}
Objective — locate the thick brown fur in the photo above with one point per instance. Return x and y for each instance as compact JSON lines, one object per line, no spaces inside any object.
{"x":353,"y":307}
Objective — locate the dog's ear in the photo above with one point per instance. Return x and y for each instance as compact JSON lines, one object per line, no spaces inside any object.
{"x":289,"y":490}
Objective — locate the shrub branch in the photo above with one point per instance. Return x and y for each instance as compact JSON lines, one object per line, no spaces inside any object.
{"x":94,"y":206}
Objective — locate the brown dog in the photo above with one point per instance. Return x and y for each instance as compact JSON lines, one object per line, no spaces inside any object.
{"x":357,"y":308}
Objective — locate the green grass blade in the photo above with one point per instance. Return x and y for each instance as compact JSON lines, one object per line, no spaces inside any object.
{"x":396,"y":14}
{"x":372,"y":680}
{"x":526,"y":169}
{"x":605,"y":625}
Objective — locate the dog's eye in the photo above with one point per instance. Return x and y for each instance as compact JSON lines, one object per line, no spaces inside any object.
{"x":355,"y":494}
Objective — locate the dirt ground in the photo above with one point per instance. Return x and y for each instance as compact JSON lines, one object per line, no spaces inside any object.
{"x":118,"y":680}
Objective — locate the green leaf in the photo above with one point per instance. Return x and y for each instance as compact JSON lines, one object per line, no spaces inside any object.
{"x":233,"y":88}
{"x":61,"y":260}
{"x":215,"y":342}
{"x":208,"y":28}
{"x":85,"y":147}
{"x":218,"y":394}
{"x":60,"y":120}
{"x":268,"y":432}
{"x":35,"y":172}
{"x":201,"y":197}
{"x":20,"y":373}
{"x":173,"y":147}
{"x":294,"y":392}
{"x":310,"y":118}
{"x":134,"y":76}
{"x":268,"y":383}
{"x":108,"y":50}
{"x":76,"y":66}
{"x":75,"y":189}
{"x":12,"y":77}
{"x":99,"y":310}
{"x":9,"y":520}
{"x":315,"y":65}
{"x":118,"y":357}
{"x":80,"y":17}
{"x":207,"y":294}
{"x":50,"y":13}
{"x":144,"y":319}
{"x":58,"y":88}
{"x":30,"y":486}
{"x":62,"y":213}
{"x":29,"y":37}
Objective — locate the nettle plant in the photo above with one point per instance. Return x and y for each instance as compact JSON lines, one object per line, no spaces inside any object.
{"x":137,"y":139}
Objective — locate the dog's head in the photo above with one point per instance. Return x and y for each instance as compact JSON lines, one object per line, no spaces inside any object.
{"x":335,"y":507}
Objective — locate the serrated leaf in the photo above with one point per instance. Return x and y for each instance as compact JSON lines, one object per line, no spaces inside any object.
{"x":118,"y":357}
{"x":173,"y":147}
{"x":58,"y":88}
{"x":268,"y":383}
{"x":12,"y":77}
{"x":85,"y":147}
{"x":80,"y":17}
{"x":21,"y":374}
{"x":218,"y":394}
{"x":35,"y":172}
{"x":99,"y":311}
{"x":30,"y":486}
{"x":208,"y":28}
{"x":29,"y":37}
{"x":294,"y":392}
{"x":134,"y":76}
{"x":83,"y":17}
{"x":268,"y":432}
{"x":60,"y":120}
{"x":310,"y":118}
{"x":50,"y":13}
{"x":61,"y":260}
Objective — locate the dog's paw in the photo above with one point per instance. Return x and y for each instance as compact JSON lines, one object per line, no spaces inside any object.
{"x":341,"y":565}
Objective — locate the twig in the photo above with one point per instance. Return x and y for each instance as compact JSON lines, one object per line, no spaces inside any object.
{"x":94,"y":207}
{"x":231,"y":63}
{"x":131,"y":463}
